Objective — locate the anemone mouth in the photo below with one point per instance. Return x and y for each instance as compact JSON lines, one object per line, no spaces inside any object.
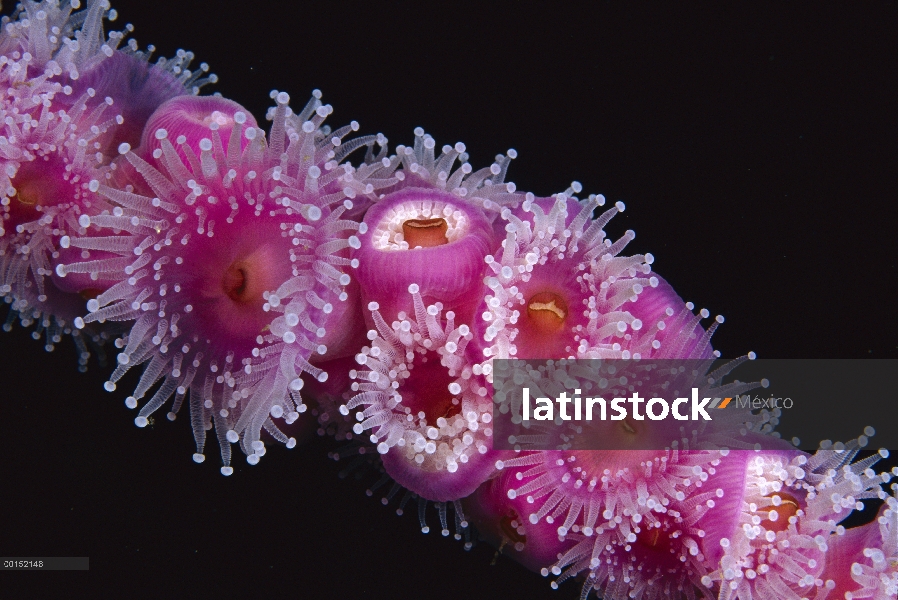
{"x":38,"y":186}
{"x":547,"y":311}
{"x":420,"y":224}
{"x":230,"y":274}
{"x":661,"y":542}
{"x":426,"y":393}
{"x":235,"y":284}
{"x":629,"y":426}
{"x":650,"y":537}
{"x":29,"y":194}
{"x":546,"y":323}
{"x":425,"y":233}
{"x":539,"y":315}
{"x":784,"y":507}
{"x":243,"y":281}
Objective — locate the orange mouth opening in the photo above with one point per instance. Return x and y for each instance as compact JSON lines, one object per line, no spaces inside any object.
{"x":787,"y":508}
{"x":547,"y":311}
{"x":425,"y":233}
{"x":234,"y":283}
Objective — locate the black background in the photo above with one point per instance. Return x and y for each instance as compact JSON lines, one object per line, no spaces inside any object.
{"x":755,"y":147}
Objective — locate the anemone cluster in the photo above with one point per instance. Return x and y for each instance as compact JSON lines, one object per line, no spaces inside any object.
{"x":298,"y":273}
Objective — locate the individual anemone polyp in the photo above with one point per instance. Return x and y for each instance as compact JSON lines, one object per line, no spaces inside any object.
{"x":70,"y":96}
{"x":557,"y":287}
{"x":622,"y":519}
{"x":428,"y":237}
{"x":790,"y":513}
{"x":45,"y":175}
{"x":233,"y":266}
{"x":427,"y":413}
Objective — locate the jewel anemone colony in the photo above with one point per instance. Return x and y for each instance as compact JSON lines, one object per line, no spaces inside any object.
{"x":270,"y":275}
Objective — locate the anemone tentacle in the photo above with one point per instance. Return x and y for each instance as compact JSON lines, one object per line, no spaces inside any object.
{"x":419,"y":166}
{"x":76,"y":42}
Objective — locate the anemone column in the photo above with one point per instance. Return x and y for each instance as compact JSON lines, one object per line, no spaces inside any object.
{"x":426,"y":237}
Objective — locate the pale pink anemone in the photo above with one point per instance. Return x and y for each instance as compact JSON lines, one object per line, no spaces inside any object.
{"x":792,"y":504}
{"x":629,"y":530}
{"x":66,"y":89}
{"x":234,"y":267}
{"x":428,"y":414}
{"x":862,"y":562}
{"x":557,"y":287}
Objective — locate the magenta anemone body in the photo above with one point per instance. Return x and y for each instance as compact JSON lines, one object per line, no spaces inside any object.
{"x":862,"y":562}
{"x":556,"y":289}
{"x":428,"y":237}
{"x":233,"y":266}
{"x":559,"y":288}
{"x":428,"y":414}
{"x":792,"y":503}
{"x":187,"y":120}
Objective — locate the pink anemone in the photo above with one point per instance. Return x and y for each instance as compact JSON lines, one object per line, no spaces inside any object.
{"x":234,"y":265}
{"x":428,"y":414}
